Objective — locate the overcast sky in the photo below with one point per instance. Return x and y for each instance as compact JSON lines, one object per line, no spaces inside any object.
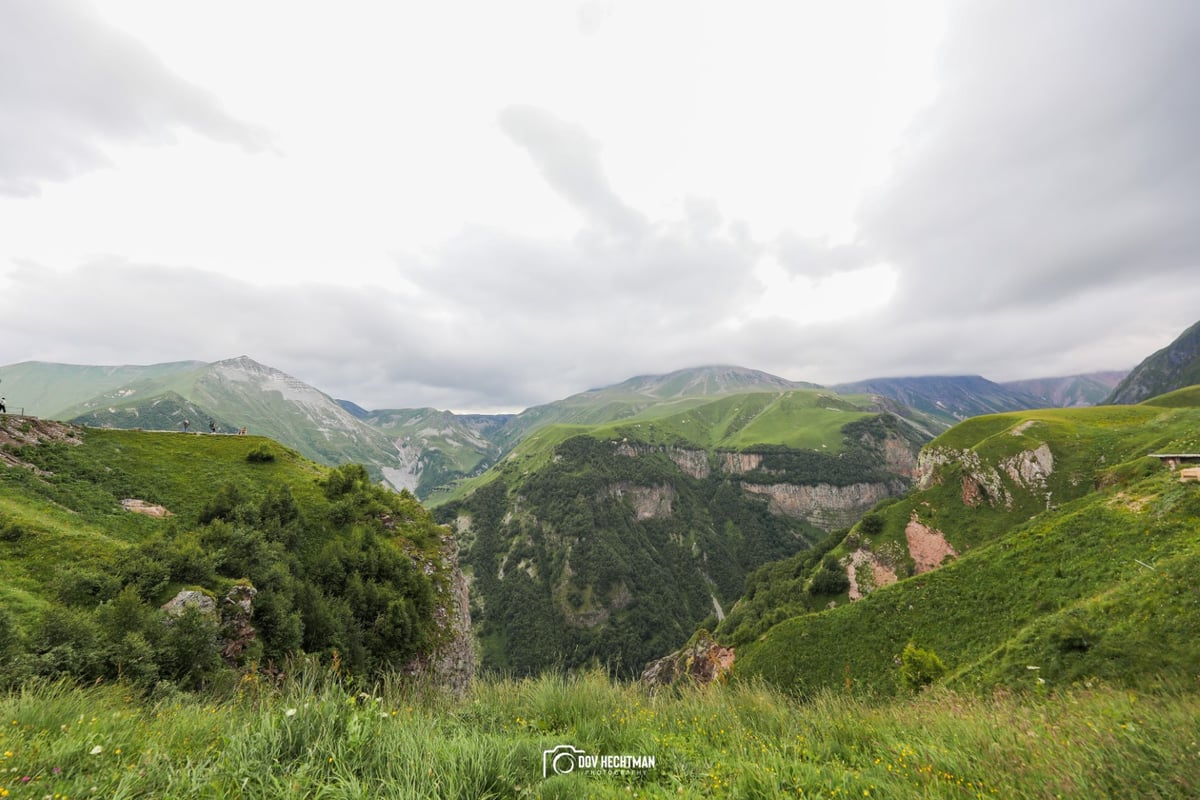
{"x":485,"y":206}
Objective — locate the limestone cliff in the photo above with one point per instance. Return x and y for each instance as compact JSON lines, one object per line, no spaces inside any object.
{"x":982,"y":482}
{"x":451,"y":663}
{"x":824,"y":505}
{"x":649,"y":502}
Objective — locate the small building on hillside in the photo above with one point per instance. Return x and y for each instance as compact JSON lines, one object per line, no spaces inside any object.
{"x":1175,"y":460}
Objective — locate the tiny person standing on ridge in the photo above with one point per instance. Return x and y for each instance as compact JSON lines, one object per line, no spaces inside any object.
{"x":3,"y":408}
{"x":212,"y":426}
{"x":186,"y":423}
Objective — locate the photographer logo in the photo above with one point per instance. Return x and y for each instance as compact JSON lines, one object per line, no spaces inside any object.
{"x":564,"y":759}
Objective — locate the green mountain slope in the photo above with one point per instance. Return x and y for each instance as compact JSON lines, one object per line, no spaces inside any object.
{"x":670,"y":393}
{"x":47,"y":390}
{"x":607,"y":544}
{"x":235,"y":393}
{"x":1174,"y":367}
{"x":325,"y":561}
{"x":1067,"y":553}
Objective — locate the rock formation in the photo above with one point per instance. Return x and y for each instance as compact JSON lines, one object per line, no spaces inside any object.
{"x":701,"y":661}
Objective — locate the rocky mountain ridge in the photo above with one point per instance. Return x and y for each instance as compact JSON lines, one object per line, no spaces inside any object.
{"x":1176,"y":366}
{"x":426,"y":450}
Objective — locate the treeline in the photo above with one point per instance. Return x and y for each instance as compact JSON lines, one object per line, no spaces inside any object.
{"x":336,"y":577}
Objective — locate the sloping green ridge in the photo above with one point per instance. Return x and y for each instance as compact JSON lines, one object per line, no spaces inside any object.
{"x":161,"y":396}
{"x":53,"y":390}
{"x":800,"y":419}
{"x":1058,"y":588}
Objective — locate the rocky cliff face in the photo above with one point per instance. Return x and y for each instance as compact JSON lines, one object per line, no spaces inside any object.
{"x":984,"y":483}
{"x":649,"y":502}
{"x":824,"y":505}
{"x":451,"y":664}
{"x":740,"y":463}
{"x":900,"y":457}
{"x":694,"y":463}
{"x":691,"y":462}
{"x":700,"y":662}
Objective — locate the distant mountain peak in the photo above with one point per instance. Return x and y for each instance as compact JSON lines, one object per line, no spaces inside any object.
{"x":244,"y":364}
{"x":712,"y":379}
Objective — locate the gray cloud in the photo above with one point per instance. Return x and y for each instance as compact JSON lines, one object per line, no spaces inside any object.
{"x":70,"y":83}
{"x":1041,"y":217}
{"x":816,"y":258}
{"x":1059,"y":155}
{"x":569,"y":160}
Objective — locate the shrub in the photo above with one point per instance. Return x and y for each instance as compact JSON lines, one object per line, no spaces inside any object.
{"x":830,"y":579}
{"x":919,"y":668}
{"x":261,"y":455}
{"x":222,"y":505}
{"x":10,"y":531}
{"x":871,"y":525}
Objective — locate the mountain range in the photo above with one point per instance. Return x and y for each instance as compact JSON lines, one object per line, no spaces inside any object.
{"x":817,"y":531}
{"x":427,"y":450}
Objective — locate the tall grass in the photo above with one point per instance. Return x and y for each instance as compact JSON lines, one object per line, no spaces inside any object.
{"x":318,"y":737}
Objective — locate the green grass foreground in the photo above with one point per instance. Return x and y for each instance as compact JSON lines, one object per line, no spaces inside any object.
{"x":317,"y":738}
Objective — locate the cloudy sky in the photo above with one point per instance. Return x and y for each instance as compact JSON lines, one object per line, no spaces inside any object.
{"x":485,"y":206}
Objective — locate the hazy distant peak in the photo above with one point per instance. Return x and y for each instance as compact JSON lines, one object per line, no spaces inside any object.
{"x":706,"y":380}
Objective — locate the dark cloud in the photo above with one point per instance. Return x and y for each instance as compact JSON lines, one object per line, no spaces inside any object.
{"x":70,"y":83}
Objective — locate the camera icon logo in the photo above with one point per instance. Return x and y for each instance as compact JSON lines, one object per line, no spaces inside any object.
{"x":561,"y":760}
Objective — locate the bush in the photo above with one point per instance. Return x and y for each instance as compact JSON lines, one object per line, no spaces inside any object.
{"x":261,"y":455}
{"x":829,"y":580}
{"x":10,"y":531}
{"x":223,"y":504}
{"x":919,"y":668}
{"x":871,"y":525}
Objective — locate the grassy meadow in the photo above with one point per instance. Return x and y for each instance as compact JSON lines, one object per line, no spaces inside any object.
{"x":316,"y":736}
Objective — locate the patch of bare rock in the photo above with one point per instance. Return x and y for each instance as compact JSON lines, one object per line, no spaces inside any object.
{"x":142,"y":507}
{"x":701,"y":661}
{"x":17,"y":431}
{"x":927,"y":546}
